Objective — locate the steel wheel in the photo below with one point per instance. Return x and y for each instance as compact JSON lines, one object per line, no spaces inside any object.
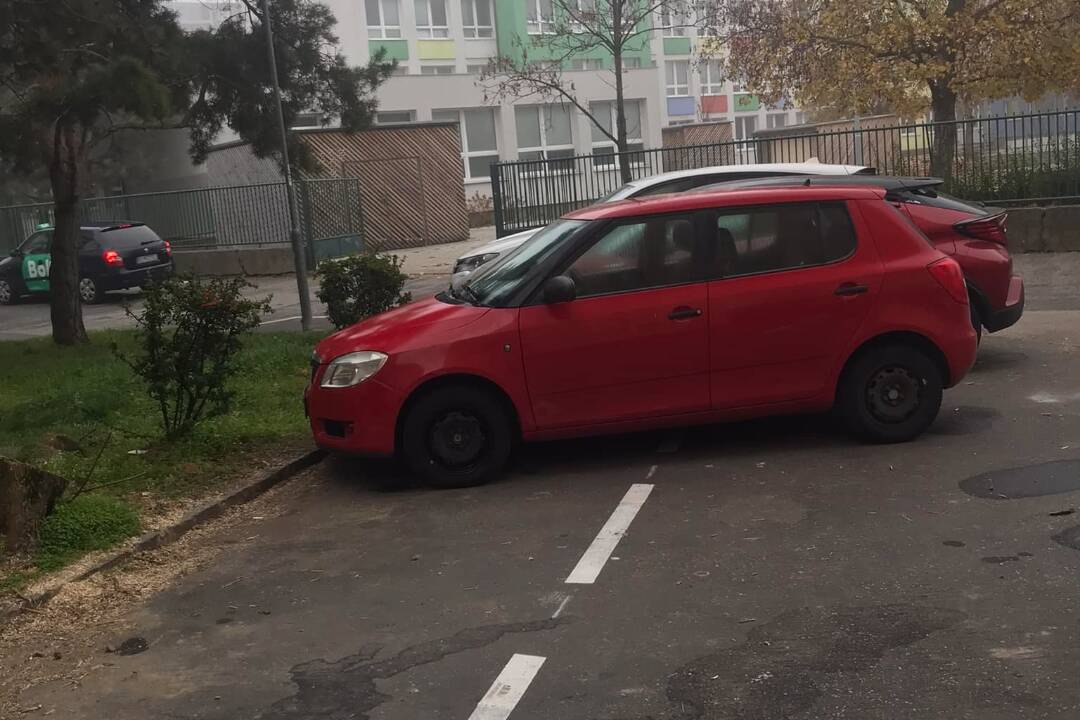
{"x":457,"y":440}
{"x":893,"y":394}
{"x":88,"y":291}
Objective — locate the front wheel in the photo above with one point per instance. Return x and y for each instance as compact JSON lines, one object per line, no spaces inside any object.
{"x":89,"y":291}
{"x":457,"y":436}
{"x":8,"y":296}
{"x":890,"y":394}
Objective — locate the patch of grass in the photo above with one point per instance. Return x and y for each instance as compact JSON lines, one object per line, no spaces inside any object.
{"x":82,"y":525}
{"x":88,"y":395}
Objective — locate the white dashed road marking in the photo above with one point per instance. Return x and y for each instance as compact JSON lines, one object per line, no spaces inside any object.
{"x":562,"y":606}
{"x":505,"y":693}
{"x":592,"y":562}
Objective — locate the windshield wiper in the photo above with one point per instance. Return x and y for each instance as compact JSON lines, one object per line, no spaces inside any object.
{"x":469,"y":294}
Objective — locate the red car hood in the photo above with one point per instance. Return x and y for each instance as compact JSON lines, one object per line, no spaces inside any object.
{"x":395,"y":329}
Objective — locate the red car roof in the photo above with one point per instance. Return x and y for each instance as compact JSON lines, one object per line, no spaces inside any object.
{"x":722,"y":198}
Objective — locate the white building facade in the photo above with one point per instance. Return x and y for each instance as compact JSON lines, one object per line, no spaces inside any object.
{"x":442,"y":46}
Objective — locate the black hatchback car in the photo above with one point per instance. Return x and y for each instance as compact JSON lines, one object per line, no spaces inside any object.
{"x":112,"y":256}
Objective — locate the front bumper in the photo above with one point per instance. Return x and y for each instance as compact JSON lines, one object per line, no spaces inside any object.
{"x":361,"y":419}
{"x":1014,"y":308}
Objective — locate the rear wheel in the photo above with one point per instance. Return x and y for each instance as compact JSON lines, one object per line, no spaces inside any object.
{"x":89,"y":291}
{"x":976,"y":320}
{"x":8,"y":296}
{"x":457,"y":436}
{"x":891,"y":394}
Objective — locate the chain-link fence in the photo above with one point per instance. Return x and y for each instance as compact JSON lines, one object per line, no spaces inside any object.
{"x":331,"y":216}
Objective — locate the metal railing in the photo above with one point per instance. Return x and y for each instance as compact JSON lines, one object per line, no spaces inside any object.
{"x":1008,"y":159}
{"x":220,"y":217}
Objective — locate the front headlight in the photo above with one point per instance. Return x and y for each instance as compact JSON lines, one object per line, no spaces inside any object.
{"x":468,"y":264}
{"x":353,"y":368}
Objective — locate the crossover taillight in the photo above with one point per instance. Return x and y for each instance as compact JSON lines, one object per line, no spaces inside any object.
{"x":949,"y":275}
{"x":168,"y":248}
{"x":991,"y":228}
{"x":112,"y":258}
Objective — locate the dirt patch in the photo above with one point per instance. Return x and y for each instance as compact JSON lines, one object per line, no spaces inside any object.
{"x":66,"y":639}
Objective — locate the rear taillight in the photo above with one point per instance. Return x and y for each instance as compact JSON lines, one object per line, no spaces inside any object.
{"x":112,"y":258}
{"x":991,"y":228}
{"x":949,"y":275}
{"x":168,"y":248}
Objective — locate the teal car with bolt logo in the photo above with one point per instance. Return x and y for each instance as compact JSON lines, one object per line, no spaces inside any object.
{"x":112,"y":256}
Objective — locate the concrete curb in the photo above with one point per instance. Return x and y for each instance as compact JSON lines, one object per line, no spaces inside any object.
{"x":163,"y":536}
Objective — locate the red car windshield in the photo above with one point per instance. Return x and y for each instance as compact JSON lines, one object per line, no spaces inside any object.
{"x":493,"y":285}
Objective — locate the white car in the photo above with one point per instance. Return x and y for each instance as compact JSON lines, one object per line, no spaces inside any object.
{"x":672,"y":182}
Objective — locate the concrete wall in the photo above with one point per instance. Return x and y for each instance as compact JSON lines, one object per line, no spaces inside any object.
{"x":266,"y":260}
{"x":1050,"y":229}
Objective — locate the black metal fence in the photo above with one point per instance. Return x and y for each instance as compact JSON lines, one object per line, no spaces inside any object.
{"x":331,"y":216}
{"x":1014,"y":159}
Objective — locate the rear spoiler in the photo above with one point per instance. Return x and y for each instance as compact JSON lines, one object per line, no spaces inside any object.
{"x":121,"y":226}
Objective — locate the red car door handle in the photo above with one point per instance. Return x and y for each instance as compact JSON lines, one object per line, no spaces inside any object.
{"x":849,"y":288}
{"x":684,"y":313}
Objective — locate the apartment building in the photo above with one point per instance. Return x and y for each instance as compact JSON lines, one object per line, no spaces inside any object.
{"x":442,"y":45}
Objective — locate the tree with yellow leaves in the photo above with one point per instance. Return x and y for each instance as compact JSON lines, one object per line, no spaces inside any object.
{"x":851,"y":56}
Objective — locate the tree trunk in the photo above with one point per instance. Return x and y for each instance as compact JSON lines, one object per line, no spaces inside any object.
{"x":27,"y":496}
{"x":65,"y":307}
{"x":943,"y":145}
{"x":620,"y":111}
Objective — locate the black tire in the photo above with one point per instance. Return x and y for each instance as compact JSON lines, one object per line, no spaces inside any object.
{"x":90,"y":291}
{"x":8,"y":294}
{"x":890,"y":394}
{"x":457,"y":436}
{"x":976,"y":320}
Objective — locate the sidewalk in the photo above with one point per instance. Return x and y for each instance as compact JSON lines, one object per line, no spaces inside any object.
{"x":439,"y":259}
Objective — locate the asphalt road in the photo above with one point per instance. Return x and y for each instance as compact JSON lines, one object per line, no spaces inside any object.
{"x":760,"y":570}
{"x":30,"y":318}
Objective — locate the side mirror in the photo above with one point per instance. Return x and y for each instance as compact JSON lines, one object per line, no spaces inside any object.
{"x":559,"y":289}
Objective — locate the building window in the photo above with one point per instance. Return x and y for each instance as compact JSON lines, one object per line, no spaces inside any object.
{"x":712,"y":80}
{"x":586,"y":64}
{"x":603,"y":149}
{"x":775,"y":120}
{"x":800,"y":118}
{"x":476,"y":18}
{"x":631,"y":63}
{"x":745,"y":126}
{"x":400,"y":69}
{"x":582,"y":13}
{"x":479,"y":147}
{"x":544,"y":132}
{"x":436,"y":69}
{"x":673,"y":21}
{"x":431,"y":19}
{"x":678,"y":77}
{"x":383,"y":20}
{"x":541,"y":17}
{"x":391,"y":117}
{"x":476,"y":69}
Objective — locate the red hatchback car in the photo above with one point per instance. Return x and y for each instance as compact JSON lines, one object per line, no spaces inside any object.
{"x":970,"y":233}
{"x":674,"y":310}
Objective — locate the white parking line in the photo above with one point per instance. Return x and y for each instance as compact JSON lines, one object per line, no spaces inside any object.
{"x":592,"y":562}
{"x":505,"y":693}
{"x":562,"y":606}
{"x":287,"y":319}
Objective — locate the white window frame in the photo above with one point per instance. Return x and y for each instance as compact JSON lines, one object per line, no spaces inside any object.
{"x":542,"y":25}
{"x":544,"y":148}
{"x":410,"y":117}
{"x":382,"y":31}
{"x":464,"y":132}
{"x":581,"y":7}
{"x":595,"y":63}
{"x":438,"y":69}
{"x":770,"y":117}
{"x":475,"y":30}
{"x":605,"y":143}
{"x":425,"y":27}
{"x":674,"y":88}
{"x":673,"y":21}
{"x":711,"y":85}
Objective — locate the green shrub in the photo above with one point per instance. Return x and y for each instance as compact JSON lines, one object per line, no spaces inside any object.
{"x":188,"y":337}
{"x":86,"y":523}
{"x":360,"y":286}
